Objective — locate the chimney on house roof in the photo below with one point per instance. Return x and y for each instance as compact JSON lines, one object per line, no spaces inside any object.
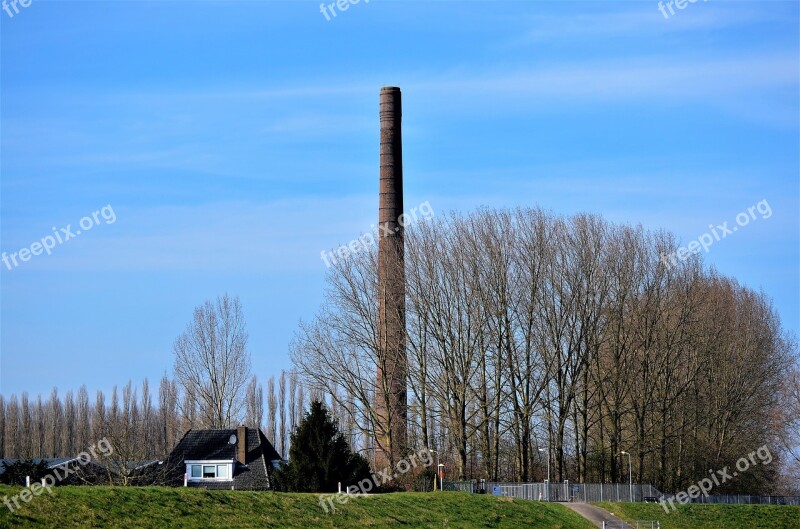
{"x":241,"y":444}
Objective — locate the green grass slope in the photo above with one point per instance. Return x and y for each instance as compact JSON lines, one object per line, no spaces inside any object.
{"x":695,"y":516}
{"x":129,"y":508}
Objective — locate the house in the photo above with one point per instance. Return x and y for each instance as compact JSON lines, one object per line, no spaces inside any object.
{"x":65,"y":470}
{"x":240,"y":459}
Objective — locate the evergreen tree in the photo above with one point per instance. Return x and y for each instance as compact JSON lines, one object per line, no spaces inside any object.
{"x":319,"y":457}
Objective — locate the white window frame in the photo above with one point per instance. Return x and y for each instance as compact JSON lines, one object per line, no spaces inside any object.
{"x":216,"y":462}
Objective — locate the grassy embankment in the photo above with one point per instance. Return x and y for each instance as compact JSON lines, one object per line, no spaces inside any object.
{"x":695,"y":516}
{"x":129,"y":508}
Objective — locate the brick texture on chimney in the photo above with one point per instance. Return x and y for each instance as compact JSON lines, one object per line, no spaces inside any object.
{"x":391,"y":398}
{"x":241,"y":444}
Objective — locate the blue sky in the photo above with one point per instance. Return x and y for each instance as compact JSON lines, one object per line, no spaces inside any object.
{"x":237,"y":140}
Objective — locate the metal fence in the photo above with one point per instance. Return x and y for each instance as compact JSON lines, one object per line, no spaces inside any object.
{"x":589,"y":492}
{"x":742,"y":499}
{"x":638,"y":524}
{"x":593,"y":492}
{"x":566,"y":491}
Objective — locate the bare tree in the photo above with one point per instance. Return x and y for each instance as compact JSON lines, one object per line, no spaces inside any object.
{"x":272,"y":405}
{"x":124,"y":431}
{"x":83,"y":426}
{"x":26,"y":428}
{"x":99,"y":416}
{"x":3,"y":453}
{"x":338,"y":353}
{"x":41,"y":428}
{"x":55,"y":422}
{"x":790,"y":419}
{"x":114,"y":411}
{"x":211,"y":358}
{"x":167,"y":415}
{"x":148,"y":426}
{"x":292,"y":401}
{"x":255,"y":403}
{"x":189,"y":409}
{"x":68,"y":428}
{"x":12,"y":433}
{"x":282,"y":414}
{"x":300,"y":405}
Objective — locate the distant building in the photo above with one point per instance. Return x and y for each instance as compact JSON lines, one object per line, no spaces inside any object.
{"x":78,"y":474}
{"x":240,"y":459}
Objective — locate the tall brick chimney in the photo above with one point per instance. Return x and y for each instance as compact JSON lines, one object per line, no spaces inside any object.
{"x":391,"y":399}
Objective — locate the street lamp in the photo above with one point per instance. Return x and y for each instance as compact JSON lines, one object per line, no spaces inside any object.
{"x":547,"y":449}
{"x":440,"y":466}
{"x":630,"y":474}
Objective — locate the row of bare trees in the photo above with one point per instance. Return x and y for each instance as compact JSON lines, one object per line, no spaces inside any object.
{"x":212,"y":388}
{"x":139,"y":424}
{"x":538,"y":341}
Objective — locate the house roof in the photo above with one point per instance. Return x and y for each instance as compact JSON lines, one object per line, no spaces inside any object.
{"x":52,"y":462}
{"x":207,"y":445}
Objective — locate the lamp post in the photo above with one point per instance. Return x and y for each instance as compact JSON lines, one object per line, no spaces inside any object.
{"x":547,"y":490}
{"x":440,"y":467}
{"x":630,"y":474}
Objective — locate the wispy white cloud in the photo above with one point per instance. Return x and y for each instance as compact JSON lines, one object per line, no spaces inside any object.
{"x":720,"y":81}
{"x":319,"y":124}
{"x":637,"y":19}
{"x":663,"y":77}
{"x":229,"y":237}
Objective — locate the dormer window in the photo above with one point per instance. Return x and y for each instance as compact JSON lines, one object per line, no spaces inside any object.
{"x":209,"y":470}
